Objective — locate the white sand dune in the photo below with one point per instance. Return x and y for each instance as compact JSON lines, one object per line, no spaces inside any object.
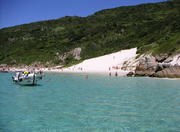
{"x":105,"y":64}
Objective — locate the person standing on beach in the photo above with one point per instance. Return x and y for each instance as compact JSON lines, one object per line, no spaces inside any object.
{"x":110,"y":74}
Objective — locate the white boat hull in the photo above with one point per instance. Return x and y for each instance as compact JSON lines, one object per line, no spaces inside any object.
{"x":29,"y":79}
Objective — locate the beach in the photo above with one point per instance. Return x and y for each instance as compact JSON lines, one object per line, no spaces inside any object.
{"x":107,"y":64}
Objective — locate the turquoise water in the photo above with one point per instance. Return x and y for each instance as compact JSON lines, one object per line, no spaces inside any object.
{"x":72,"y":103}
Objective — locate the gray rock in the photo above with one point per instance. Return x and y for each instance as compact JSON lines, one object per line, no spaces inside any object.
{"x":161,"y":57}
{"x":76,"y":53}
{"x":3,"y":65}
{"x":144,"y":72}
{"x":168,"y":60}
{"x":159,"y":66}
{"x":147,"y":66}
{"x":166,"y":65}
{"x":176,"y":65}
{"x":130,"y":74}
{"x":27,"y":38}
{"x":171,"y":72}
{"x":13,"y":62}
{"x":11,"y":39}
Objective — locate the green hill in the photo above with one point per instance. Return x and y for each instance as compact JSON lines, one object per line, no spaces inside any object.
{"x":150,"y":27}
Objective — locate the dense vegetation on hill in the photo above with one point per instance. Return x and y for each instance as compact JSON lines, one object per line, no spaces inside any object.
{"x":150,"y":27}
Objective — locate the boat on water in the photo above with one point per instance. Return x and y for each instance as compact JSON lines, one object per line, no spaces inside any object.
{"x":27,"y":78}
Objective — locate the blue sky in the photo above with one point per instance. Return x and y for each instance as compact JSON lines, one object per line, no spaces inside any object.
{"x":16,"y":12}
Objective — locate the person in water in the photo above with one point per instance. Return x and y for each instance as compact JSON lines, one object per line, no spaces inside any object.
{"x":116,"y":74}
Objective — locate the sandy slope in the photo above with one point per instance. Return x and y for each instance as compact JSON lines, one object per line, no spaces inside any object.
{"x":104,"y":64}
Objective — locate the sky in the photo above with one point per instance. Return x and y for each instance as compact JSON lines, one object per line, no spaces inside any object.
{"x":16,"y":12}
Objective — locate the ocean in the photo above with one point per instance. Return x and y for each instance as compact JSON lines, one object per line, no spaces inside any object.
{"x":93,"y":103}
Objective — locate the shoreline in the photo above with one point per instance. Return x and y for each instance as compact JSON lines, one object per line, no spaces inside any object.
{"x":120,"y":73}
{"x":105,"y":73}
{"x":121,"y":63}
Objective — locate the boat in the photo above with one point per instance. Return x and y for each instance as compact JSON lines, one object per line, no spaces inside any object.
{"x":27,"y":78}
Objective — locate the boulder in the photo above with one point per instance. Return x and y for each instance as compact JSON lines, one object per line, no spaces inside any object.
{"x":147,"y":66}
{"x":11,"y":39}
{"x":168,"y":60}
{"x":176,"y":60}
{"x":3,"y":65}
{"x":130,"y":74}
{"x":170,"y":72}
{"x":147,"y":72}
{"x":159,"y":66}
{"x":13,"y":62}
{"x":130,"y":65}
{"x":166,"y":65}
{"x":161,"y":57}
{"x":75,"y":53}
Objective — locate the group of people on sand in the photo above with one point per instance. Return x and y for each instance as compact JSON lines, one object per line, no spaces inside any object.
{"x":116,"y":74}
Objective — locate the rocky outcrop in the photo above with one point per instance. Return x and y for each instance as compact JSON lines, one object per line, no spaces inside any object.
{"x":27,"y":38}
{"x":147,"y":66}
{"x":75,"y":53}
{"x":130,"y":65}
{"x":176,"y":60}
{"x":38,"y":64}
{"x":168,"y":60}
{"x":130,"y":74}
{"x":12,"y":39}
{"x":161,"y":65}
{"x":171,"y":72}
{"x":161,"y":57}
